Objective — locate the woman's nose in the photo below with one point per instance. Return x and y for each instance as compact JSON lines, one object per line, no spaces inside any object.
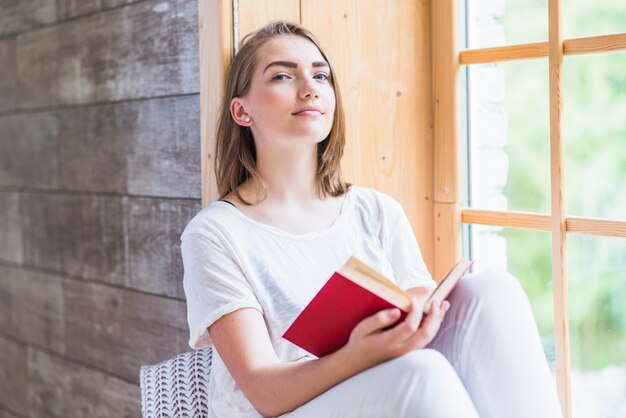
{"x":309,"y":90}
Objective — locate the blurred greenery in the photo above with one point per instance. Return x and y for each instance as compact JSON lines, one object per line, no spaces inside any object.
{"x":594,"y":134}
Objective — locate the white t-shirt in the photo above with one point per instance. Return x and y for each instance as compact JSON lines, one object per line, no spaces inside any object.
{"x":232,"y":261}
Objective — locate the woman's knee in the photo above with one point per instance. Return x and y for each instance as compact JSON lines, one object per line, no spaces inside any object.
{"x":432,"y":385}
{"x":426,"y":364}
{"x":490,"y":286}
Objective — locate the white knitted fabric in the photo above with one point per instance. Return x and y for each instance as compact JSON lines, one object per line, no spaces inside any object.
{"x":177,"y":387}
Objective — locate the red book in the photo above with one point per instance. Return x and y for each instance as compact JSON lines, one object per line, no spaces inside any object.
{"x":352,"y":294}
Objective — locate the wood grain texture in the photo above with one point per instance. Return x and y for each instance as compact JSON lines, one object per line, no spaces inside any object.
{"x":8,"y":92}
{"x":216,"y":51}
{"x":5,"y":413}
{"x":62,"y":389}
{"x":33,"y":307}
{"x":42,"y":231}
{"x":128,"y":52}
{"x":575,"y":46}
{"x":118,"y":330}
{"x":93,"y":237}
{"x":592,"y":226}
{"x":154,"y":229}
{"x":382,"y":63}
{"x":447,"y":238}
{"x":447,"y":190}
{"x":11,"y":242}
{"x":148,"y":147}
{"x":165,"y":156}
{"x":535,"y":221}
{"x":29,"y":151}
{"x":24,"y":14}
{"x":557,"y":191}
{"x":595,"y":44}
{"x":504,"y":53}
{"x":255,"y":13}
{"x":13,"y":376}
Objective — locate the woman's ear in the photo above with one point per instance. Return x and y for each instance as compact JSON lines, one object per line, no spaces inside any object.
{"x":239,"y":114}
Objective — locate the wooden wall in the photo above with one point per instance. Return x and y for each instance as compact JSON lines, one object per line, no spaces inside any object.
{"x":99,"y":173}
{"x":381,"y":51}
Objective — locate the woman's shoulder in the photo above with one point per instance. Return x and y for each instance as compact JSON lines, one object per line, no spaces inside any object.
{"x":373,"y":200}
{"x":211,"y":220}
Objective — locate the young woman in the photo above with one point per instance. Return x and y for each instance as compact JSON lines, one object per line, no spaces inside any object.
{"x":285,"y":221}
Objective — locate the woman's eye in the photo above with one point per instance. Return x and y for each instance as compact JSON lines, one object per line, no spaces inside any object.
{"x":322,"y":75}
{"x":279,"y":77}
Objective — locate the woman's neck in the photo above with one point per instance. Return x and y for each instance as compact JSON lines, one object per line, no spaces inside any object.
{"x":291,"y":178}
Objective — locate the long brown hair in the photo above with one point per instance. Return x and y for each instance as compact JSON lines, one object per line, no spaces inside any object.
{"x":235,"y":154}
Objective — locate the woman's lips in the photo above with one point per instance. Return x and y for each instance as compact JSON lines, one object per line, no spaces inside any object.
{"x":308,"y":113}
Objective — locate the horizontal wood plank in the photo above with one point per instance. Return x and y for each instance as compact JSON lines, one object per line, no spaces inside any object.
{"x":11,"y":242}
{"x":42,"y":230}
{"x":73,"y":8}
{"x":600,"y":227}
{"x":8,"y":92}
{"x":118,"y":330}
{"x":524,"y":220}
{"x":165,"y":156}
{"x":595,"y":44}
{"x":24,"y":14}
{"x":33,"y":307}
{"x":575,"y":46}
{"x":13,"y":376}
{"x":5,"y":413}
{"x":29,"y":150}
{"x":504,"y":53}
{"x":154,"y":229}
{"x":129,"y":52}
{"x":60,"y":388}
{"x":541,"y":222}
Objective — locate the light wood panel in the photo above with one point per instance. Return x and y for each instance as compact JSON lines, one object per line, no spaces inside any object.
{"x":255,"y":13}
{"x":445,"y":79}
{"x":448,"y":242}
{"x":216,"y":47}
{"x":559,"y":237}
{"x":382,"y":62}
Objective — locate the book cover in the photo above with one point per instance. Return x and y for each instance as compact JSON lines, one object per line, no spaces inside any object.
{"x":351,"y":294}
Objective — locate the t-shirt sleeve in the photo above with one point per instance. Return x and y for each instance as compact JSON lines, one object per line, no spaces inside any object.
{"x":214,"y":285}
{"x":400,"y":244}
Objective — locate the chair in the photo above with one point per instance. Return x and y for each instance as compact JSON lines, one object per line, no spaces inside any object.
{"x":177,"y":387}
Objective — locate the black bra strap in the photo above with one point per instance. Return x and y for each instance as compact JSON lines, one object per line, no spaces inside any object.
{"x":222,"y":200}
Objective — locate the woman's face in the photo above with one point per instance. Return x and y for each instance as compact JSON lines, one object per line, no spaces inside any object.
{"x":291,"y":101}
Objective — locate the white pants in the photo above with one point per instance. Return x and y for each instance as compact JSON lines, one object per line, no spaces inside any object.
{"x":486,"y":361}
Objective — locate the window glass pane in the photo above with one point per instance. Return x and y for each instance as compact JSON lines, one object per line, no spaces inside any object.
{"x":597,"y":295}
{"x":506,"y":22}
{"x":589,"y":18}
{"x":526,"y":255}
{"x":508,"y":125}
{"x":594,"y":132}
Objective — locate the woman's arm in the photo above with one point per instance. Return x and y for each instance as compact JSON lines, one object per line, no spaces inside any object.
{"x":274,"y":388}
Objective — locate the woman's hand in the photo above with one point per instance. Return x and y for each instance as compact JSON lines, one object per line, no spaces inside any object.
{"x":371,"y":343}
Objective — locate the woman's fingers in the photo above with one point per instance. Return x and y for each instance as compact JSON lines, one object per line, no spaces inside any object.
{"x":377,"y":321}
{"x":409,"y":326}
{"x":429,"y":326}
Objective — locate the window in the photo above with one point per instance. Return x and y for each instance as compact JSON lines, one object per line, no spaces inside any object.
{"x":543,"y":192}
